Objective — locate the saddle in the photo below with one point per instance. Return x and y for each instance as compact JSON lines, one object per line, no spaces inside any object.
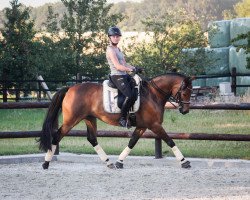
{"x":113,"y":98}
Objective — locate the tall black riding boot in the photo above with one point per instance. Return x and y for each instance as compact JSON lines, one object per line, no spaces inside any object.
{"x":123,"y":121}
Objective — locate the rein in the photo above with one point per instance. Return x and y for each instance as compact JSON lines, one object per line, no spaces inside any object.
{"x":159,"y":89}
{"x":168,"y":95}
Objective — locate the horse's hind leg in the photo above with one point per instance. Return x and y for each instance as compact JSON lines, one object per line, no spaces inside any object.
{"x":158,"y":129}
{"x":91,"y":137}
{"x":132,"y":142}
{"x":56,"y":138}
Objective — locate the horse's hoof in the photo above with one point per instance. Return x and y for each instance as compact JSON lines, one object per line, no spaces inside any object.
{"x":186,"y":165}
{"x":111,"y":166}
{"x":45,"y":165}
{"x":119,"y":165}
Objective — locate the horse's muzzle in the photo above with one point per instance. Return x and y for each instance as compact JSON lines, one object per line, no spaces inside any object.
{"x":182,"y":111}
{"x":185,"y":112}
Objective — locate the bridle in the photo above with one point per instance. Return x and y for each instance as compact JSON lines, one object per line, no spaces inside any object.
{"x":169,"y":96}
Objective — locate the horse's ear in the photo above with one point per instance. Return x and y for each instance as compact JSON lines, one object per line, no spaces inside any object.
{"x":188,"y":80}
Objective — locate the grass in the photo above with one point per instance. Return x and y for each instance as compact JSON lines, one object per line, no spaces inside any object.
{"x":197,"y":121}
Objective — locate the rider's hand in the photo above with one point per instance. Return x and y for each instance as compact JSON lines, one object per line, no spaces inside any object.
{"x":138,"y":70}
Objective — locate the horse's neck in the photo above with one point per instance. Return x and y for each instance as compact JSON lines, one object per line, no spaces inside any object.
{"x":165,"y":83}
{"x":160,"y":91}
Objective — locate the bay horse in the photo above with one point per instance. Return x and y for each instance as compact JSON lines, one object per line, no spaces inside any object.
{"x":84,"y":102}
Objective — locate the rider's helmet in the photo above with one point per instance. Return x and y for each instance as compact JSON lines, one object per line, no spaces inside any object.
{"x":114,"y":31}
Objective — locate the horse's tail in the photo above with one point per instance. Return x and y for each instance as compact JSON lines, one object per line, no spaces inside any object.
{"x":51,"y":120}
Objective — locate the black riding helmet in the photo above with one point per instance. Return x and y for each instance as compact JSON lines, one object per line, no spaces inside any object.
{"x":114,"y":31}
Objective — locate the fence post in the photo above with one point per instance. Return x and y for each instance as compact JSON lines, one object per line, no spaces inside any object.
{"x":17,"y":92}
{"x":5,"y":94}
{"x":39,"y":92}
{"x":234,"y":82}
{"x":45,"y":87}
{"x":78,"y":78}
{"x":158,"y":148}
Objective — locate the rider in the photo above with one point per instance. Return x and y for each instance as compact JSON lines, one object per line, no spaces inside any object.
{"x":119,"y":69}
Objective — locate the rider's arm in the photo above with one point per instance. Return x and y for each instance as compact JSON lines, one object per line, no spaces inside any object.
{"x":127,"y":65}
{"x":114,"y":59}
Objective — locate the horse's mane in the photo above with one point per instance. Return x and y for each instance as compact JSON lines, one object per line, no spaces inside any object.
{"x":171,"y":74}
{"x":146,"y":82}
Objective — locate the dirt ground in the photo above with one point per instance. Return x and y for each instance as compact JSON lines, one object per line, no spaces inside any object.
{"x":85,"y":177}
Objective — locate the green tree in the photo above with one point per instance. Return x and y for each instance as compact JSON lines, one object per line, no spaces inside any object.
{"x":203,"y":10}
{"x":242,"y":9}
{"x":82,"y":23}
{"x":53,"y":53}
{"x":169,"y":35}
{"x":51,"y":24}
{"x":82,"y":47}
{"x":17,"y":47}
{"x":17,"y":43}
{"x":246,"y":47}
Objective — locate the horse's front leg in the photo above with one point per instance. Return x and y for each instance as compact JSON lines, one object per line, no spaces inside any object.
{"x":132,"y":142}
{"x":159,"y":130}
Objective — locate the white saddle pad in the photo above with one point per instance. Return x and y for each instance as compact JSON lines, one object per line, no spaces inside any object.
{"x":110,"y":97}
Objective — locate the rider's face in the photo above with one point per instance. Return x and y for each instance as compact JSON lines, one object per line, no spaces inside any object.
{"x":115,"y":39}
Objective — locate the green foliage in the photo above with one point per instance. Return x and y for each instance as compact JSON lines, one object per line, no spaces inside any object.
{"x":169,"y":35}
{"x":54,"y":55}
{"x":242,"y":9}
{"x":84,"y":24}
{"x":82,"y":48}
{"x":203,"y":10}
{"x":245,"y":47}
{"x":17,"y":44}
{"x":51,"y":24}
{"x":24,"y":55}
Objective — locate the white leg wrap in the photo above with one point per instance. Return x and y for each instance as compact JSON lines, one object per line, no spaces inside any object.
{"x":50,"y":153}
{"x":177,"y":153}
{"x":103,"y":156}
{"x":125,"y":153}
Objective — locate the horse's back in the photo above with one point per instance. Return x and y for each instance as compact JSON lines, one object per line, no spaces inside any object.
{"x":83,"y":96}
{"x":86,"y":88}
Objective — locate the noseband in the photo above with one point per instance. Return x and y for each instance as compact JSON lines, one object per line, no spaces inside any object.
{"x":177,"y":97}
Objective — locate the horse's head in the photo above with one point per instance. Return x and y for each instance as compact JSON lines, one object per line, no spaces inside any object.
{"x":176,"y":88}
{"x":182,"y":94}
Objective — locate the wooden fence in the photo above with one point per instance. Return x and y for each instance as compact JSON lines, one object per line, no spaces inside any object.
{"x":16,"y":91}
{"x":126,"y":134}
